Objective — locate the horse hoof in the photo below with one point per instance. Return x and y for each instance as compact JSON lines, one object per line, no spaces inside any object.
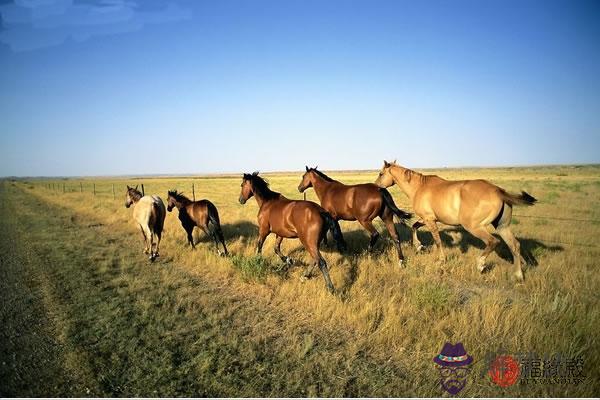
{"x":482,"y":268}
{"x":420,"y":248}
{"x":519,"y":277}
{"x":289,"y":261}
{"x":401,"y":263}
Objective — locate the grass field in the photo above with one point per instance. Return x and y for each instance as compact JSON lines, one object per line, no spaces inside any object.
{"x":85,"y":314}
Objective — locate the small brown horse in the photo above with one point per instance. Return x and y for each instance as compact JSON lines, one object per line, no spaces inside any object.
{"x":201,"y":213}
{"x":363,"y":203}
{"x":287,"y":218}
{"x":474,"y":204}
{"x":149,"y":213}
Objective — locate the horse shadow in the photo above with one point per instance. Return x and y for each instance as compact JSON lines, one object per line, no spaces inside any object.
{"x":458,"y":236}
{"x":246,"y":231}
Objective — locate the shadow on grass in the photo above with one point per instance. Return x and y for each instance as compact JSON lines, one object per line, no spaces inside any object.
{"x":458,"y":236}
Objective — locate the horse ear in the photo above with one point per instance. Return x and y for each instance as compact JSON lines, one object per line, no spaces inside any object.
{"x":128,"y":187}
{"x":306,"y":166}
{"x":386,"y":164}
{"x":255,"y":173}
{"x":394,"y":162}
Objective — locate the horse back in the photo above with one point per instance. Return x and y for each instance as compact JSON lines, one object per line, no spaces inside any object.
{"x":352,"y":202}
{"x":292,"y":218}
{"x":150,"y":211}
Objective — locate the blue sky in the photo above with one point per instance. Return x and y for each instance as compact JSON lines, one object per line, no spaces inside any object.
{"x":124,"y":87}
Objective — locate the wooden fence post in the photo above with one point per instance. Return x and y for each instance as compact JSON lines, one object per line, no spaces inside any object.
{"x":63,"y":187}
{"x":143,"y":191}
{"x":80,"y":187}
{"x":193,"y":192}
{"x":94,"y":188}
{"x":113,"y":186}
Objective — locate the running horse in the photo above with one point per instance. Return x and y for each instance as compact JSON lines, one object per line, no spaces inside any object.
{"x":289,"y":219}
{"x":474,"y":204}
{"x":149,"y":212}
{"x":201,"y":213}
{"x":363,"y":203}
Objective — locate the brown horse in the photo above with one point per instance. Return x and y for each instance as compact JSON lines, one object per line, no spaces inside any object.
{"x":362,"y":203}
{"x":149,"y":213}
{"x":287,"y":218}
{"x":201,"y":213}
{"x":474,"y":204}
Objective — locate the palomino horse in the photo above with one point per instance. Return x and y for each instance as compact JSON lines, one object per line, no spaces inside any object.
{"x":287,"y":218}
{"x":474,"y":204}
{"x":362,"y":203}
{"x":149,"y":212}
{"x":201,"y":213}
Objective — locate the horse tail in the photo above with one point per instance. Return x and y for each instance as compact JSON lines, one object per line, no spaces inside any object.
{"x":161,"y":213}
{"x":334,"y":226}
{"x":214,"y":223}
{"x":388,"y":201}
{"x":523,"y":199}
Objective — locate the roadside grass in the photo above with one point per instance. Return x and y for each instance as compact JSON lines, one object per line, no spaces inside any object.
{"x":281,"y":336}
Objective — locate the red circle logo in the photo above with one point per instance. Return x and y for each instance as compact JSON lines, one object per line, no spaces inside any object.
{"x":504,"y":371}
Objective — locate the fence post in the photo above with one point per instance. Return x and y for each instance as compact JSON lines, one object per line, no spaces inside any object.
{"x":304,"y":195}
{"x":193,"y":192}
{"x":63,"y":187}
{"x":113,"y":186}
{"x":80,"y":187}
{"x":143,"y":191}
{"x":94,"y":188}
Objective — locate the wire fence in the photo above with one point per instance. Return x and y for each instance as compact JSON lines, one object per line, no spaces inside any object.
{"x":90,"y":187}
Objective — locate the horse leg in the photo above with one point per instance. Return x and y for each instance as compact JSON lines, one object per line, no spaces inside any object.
{"x":150,"y":234}
{"x":221,"y":238}
{"x":263,"y":232}
{"x":320,"y":261}
{"x":415,"y":239}
{"x":388,"y":218}
{"x":158,"y":237}
{"x":432,"y":226}
{"x":145,"y":240}
{"x":368,"y":225}
{"x":285,"y":259}
{"x":515,"y":248}
{"x":190,"y":237}
{"x":490,"y":244}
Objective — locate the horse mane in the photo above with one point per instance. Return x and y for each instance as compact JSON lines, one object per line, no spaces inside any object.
{"x":179,"y":196}
{"x":408,"y":174}
{"x":261,"y":187}
{"x":322,"y":175}
{"x":134,"y":193}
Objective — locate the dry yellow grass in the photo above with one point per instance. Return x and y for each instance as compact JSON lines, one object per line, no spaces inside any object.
{"x":377,"y":337}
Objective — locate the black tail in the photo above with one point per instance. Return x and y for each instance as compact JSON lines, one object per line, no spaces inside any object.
{"x":389,"y":203}
{"x":334,"y":226}
{"x":214,"y":224}
{"x":524,"y":199}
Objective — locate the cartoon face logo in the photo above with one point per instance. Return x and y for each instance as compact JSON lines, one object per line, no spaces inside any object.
{"x":453,"y":365}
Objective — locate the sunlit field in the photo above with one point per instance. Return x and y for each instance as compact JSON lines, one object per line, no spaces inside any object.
{"x":84,"y":313}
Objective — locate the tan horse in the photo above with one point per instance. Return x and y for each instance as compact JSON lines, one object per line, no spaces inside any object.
{"x":149,"y":212}
{"x":474,"y":204}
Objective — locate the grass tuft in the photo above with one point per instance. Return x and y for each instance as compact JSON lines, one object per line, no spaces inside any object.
{"x":252,"y":268}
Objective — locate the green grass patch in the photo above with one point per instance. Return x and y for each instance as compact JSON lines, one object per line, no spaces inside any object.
{"x":432,"y":296}
{"x":252,"y":268}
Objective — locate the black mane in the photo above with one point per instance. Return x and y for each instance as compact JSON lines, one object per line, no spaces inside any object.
{"x":179,"y":196}
{"x":261,"y":186}
{"x":134,"y":193}
{"x":322,"y":175}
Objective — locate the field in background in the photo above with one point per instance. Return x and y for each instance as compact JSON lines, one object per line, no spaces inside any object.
{"x":83,"y":302}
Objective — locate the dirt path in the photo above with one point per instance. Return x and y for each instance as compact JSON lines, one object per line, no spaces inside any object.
{"x":82,"y":315}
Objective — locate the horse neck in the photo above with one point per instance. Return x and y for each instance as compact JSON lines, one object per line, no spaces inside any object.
{"x":408,"y":187}
{"x":320,"y":185}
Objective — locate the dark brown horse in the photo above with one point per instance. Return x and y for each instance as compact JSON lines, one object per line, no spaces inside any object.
{"x":362,"y":203}
{"x":201,"y":213}
{"x":287,"y":218}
